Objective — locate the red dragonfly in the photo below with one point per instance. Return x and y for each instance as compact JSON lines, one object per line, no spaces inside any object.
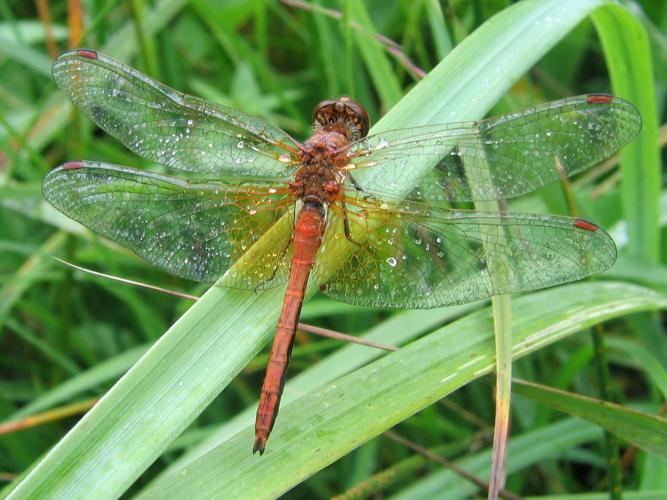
{"x":410,"y":246}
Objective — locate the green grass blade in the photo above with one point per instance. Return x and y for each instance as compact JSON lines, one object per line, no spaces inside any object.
{"x":441,"y":38}
{"x":29,"y":31}
{"x":502,"y":323}
{"x":33,"y":59}
{"x":83,"y":383}
{"x":646,"y":431}
{"x":636,"y":355}
{"x":545,"y":443}
{"x":551,"y":442}
{"x":628,"y":57}
{"x":31,"y":270}
{"x":374,"y":56}
{"x":48,"y":351}
{"x":627,"y":495}
{"x":321,"y":427}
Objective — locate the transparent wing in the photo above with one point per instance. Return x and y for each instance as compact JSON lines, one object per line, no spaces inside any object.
{"x":168,"y":127}
{"x":414,"y":256}
{"x":193,"y":229}
{"x":500,"y":157}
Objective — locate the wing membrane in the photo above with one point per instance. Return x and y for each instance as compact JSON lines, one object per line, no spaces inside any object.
{"x":193,"y":229}
{"x":168,"y":127}
{"x":501,"y":157}
{"x":420,"y":257}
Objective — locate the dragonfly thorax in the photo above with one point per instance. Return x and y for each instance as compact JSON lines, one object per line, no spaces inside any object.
{"x":322,"y":157}
{"x":323,"y":145}
{"x":316,"y":183}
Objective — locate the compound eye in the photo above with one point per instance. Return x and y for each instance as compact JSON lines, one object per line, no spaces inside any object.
{"x":323,"y":112}
{"x":360,"y":117}
{"x":344,"y":114}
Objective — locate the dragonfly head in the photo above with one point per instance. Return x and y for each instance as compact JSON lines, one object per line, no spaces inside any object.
{"x":343,"y":115}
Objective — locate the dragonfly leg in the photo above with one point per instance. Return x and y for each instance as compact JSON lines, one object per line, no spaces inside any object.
{"x":346,"y":226}
{"x":355,"y":184}
{"x":358,"y":187}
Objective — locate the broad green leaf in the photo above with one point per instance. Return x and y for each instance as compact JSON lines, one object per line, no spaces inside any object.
{"x":397,"y":331}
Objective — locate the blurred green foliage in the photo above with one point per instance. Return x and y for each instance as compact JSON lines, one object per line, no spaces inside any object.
{"x":66,"y":336}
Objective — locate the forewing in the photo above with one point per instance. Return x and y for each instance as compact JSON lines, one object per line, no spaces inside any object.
{"x":168,"y":127}
{"x":500,"y":157}
{"x":418,"y":257}
{"x":193,"y":229}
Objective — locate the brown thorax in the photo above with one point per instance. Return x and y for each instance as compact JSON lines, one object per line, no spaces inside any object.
{"x":324,"y":155}
{"x":318,"y":183}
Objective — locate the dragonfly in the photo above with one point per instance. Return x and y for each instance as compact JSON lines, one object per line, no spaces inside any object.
{"x":374,"y":220}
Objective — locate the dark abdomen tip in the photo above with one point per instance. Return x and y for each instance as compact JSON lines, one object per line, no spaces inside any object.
{"x":260,"y":444}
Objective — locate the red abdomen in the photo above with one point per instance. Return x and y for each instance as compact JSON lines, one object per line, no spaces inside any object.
{"x":307,"y":238}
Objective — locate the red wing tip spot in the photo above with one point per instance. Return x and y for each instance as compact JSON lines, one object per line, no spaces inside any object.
{"x":88,"y":54}
{"x":584,"y":224}
{"x":73,"y":165}
{"x":599,"y":99}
